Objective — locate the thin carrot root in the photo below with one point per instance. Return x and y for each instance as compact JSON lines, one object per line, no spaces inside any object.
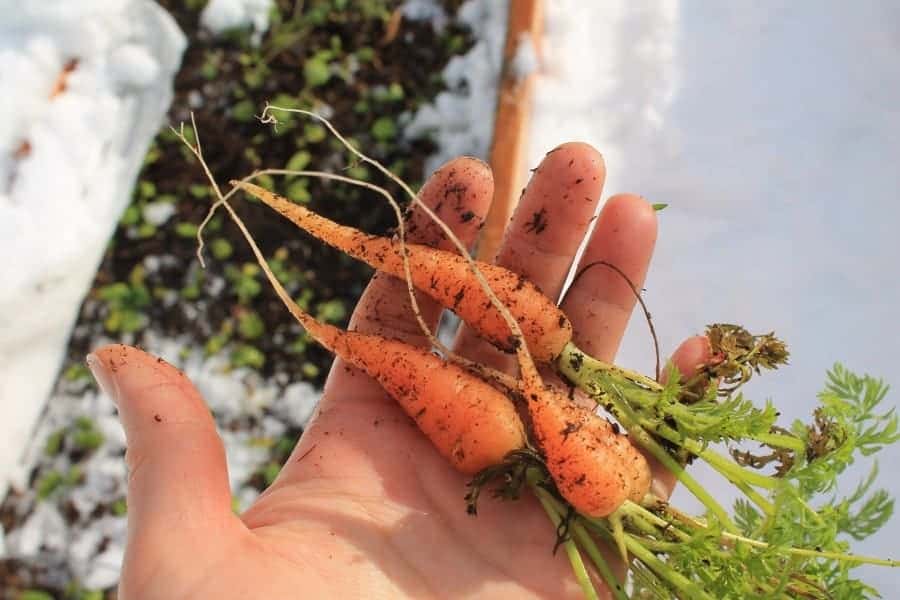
{"x":447,"y":278}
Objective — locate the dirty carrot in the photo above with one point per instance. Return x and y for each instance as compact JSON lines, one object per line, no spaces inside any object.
{"x":447,"y":278}
{"x":471,"y":424}
{"x":595,"y":466}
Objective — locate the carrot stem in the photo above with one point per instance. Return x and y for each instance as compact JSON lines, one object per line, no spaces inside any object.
{"x":647,"y":441}
{"x":590,"y":547}
{"x":681,"y":585}
{"x":581,"y":574}
{"x":779,"y":440}
{"x":587,"y":542}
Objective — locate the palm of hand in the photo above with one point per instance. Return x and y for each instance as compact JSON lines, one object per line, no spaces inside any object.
{"x":365,"y":507}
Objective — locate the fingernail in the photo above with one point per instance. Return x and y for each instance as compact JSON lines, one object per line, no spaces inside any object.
{"x":104,"y":378}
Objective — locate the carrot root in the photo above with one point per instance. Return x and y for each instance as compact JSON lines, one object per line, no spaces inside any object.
{"x":447,"y":278}
{"x":594,"y":466}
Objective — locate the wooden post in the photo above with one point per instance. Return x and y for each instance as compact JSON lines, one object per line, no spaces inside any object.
{"x":510,"y":139}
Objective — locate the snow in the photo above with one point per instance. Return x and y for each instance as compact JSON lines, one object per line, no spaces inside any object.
{"x":157,"y":213}
{"x":525,"y":60}
{"x":461,"y":119}
{"x":772,"y":131}
{"x":92,"y":81}
{"x":221,"y":15}
{"x":425,"y":10}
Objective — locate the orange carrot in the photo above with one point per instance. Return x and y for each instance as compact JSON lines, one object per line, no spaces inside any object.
{"x":471,"y":423}
{"x":447,"y":278}
{"x":595,"y":467}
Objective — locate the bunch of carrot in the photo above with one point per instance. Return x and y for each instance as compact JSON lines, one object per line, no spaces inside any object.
{"x":594,"y":466}
{"x":584,"y":463}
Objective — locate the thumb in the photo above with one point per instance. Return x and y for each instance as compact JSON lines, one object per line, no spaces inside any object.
{"x":178,"y":480}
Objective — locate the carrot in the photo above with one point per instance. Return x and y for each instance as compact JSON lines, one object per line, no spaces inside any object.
{"x":594,"y":466}
{"x":447,"y":278}
{"x":472,"y":424}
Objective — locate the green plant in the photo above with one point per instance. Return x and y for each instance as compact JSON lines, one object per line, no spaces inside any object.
{"x":384,"y":129}
{"x":54,"y":442}
{"x":216,"y":343}
{"x":48,"y":483}
{"x":33,"y":594}
{"x":119,"y":507}
{"x":125,"y":303}
{"x":250,"y":325}
{"x":244,"y":282}
{"x":316,"y":70}
{"x":77,"y":372}
{"x":85,"y":435}
{"x":246,"y":355}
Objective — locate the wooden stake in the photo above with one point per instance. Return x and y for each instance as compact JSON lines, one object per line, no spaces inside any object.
{"x":510,"y":140}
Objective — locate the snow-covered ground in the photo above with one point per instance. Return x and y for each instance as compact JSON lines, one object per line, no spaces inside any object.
{"x":772,"y":130}
{"x":222,"y":15}
{"x":462,"y":118}
{"x":86,"y":85}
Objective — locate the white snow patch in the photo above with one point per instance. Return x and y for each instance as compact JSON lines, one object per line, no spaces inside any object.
{"x":426,"y":10}
{"x":157,"y":213}
{"x":45,"y":530}
{"x":297,"y":403}
{"x":221,"y":15}
{"x":104,"y":570}
{"x":92,"y":81}
{"x":525,"y":61}
{"x":462,"y":118}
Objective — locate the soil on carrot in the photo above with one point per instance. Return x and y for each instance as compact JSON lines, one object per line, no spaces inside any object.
{"x":364,"y":67}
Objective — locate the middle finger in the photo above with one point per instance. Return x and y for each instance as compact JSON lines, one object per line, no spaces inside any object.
{"x":546,"y":230}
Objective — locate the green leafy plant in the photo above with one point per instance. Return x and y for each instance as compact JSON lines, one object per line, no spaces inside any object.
{"x":125,"y":303}
{"x":246,"y":355}
{"x":783,"y":539}
{"x":244,"y":281}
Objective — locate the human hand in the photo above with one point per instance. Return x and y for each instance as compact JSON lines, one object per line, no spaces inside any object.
{"x":365,"y":507}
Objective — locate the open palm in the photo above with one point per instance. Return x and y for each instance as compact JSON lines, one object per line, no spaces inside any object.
{"x":365,"y":507}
